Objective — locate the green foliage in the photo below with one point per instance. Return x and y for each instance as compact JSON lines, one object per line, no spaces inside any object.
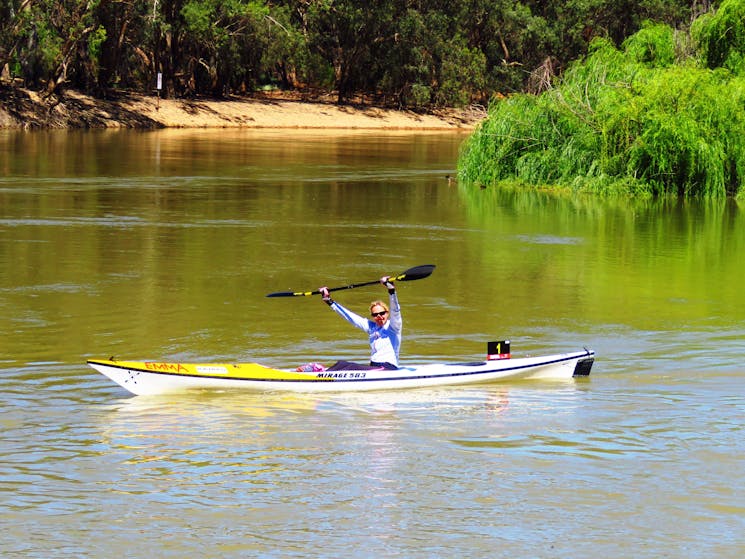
{"x":621,"y":120}
{"x":408,"y":53}
{"x":49,"y":46}
{"x":198,"y":16}
{"x":95,"y":41}
{"x":721,"y":36}
{"x":653,"y":46}
{"x":462,"y":70}
{"x":690,"y":138}
{"x":420,"y":95}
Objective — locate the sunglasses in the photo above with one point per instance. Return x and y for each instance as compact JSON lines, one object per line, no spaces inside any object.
{"x":382,"y":313}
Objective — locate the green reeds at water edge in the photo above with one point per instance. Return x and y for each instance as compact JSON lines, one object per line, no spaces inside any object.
{"x":651,"y":118}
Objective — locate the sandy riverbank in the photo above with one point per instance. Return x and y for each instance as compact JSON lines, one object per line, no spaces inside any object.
{"x":20,"y":108}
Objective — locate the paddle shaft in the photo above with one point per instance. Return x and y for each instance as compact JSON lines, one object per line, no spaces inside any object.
{"x":415,"y":273}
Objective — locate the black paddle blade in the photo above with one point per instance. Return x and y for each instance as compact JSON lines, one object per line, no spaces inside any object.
{"x":415,"y":273}
{"x":291,"y":294}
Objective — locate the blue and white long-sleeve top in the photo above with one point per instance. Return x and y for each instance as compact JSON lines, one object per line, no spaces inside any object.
{"x":385,"y":340}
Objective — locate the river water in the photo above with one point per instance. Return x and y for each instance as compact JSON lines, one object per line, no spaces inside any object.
{"x":161,"y":245}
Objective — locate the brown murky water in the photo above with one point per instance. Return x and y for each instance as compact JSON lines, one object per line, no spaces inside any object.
{"x":163,"y":244}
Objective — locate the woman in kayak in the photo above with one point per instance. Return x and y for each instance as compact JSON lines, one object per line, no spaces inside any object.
{"x":383,"y":328}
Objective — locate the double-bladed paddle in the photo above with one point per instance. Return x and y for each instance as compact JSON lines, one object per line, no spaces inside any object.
{"x":415,"y":273}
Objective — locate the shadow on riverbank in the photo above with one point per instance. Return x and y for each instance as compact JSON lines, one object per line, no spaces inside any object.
{"x":28,"y":110}
{"x":25,"y":109}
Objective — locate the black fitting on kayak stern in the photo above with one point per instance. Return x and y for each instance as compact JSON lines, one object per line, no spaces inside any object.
{"x":583,"y":366}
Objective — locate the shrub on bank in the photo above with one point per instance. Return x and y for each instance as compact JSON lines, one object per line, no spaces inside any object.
{"x":654,"y":117}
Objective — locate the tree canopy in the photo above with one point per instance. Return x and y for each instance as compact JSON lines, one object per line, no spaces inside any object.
{"x":399,"y":52}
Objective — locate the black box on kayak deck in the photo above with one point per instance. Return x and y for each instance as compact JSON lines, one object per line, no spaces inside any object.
{"x":498,"y":350}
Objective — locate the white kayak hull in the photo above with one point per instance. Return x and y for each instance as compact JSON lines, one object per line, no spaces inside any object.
{"x":149,"y":378}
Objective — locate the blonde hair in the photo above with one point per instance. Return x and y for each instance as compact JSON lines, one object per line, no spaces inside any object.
{"x":378,"y":304}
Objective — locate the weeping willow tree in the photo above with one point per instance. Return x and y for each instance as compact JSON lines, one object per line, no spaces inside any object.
{"x":721,"y":37}
{"x":664,"y":114}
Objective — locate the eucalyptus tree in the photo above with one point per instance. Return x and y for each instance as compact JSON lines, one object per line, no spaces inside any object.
{"x":515,"y":39}
{"x":409,"y":52}
{"x":350,"y":36}
{"x":46,"y":41}
{"x":220,"y":51}
{"x":427,"y":60}
{"x":402,"y":52}
{"x":8,"y":32}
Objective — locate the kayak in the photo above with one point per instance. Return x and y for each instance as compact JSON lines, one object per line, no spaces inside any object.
{"x":153,"y":377}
